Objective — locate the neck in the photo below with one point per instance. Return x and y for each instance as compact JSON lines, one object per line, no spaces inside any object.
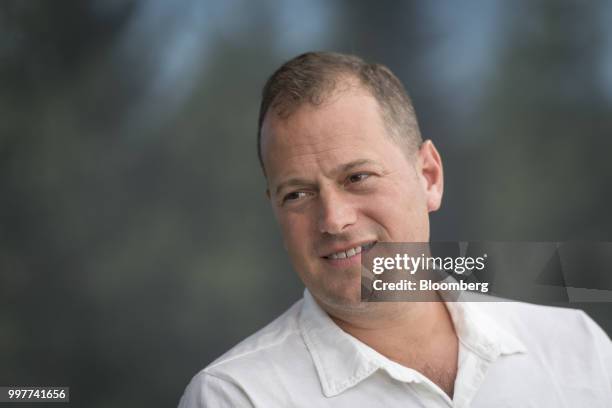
{"x":418,"y":335}
{"x":409,"y":323}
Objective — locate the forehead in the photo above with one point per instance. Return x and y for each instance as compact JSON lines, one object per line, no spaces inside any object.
{"x":347,"y":126}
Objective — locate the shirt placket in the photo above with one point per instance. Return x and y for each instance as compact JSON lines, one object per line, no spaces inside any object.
{"x":430,"y":395}
{"x":470,"y":375}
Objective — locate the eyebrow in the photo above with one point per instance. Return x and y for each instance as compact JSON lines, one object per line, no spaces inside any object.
{"x":343,"y":168}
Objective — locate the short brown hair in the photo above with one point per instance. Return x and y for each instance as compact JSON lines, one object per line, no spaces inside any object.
{"x":311,"y":77}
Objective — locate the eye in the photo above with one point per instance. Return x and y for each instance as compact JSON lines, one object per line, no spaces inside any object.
{"x":357,"y":177}
{"x":294,"y":196}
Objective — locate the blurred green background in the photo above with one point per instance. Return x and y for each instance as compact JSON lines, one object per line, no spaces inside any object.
{"x":136,"y":243}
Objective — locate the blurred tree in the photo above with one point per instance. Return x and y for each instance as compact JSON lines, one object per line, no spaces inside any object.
{"x":135,"y":241}
{"x":544,"y":128}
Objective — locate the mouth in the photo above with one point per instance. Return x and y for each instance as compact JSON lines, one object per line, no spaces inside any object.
{"x":351,"y":252}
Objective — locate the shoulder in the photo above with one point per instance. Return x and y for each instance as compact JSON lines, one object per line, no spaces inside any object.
{"x":268,"y":344}
{"x":207,"y":390}
{"x":562,"y":339}
{"x":533,"y":319}
{"x":264,"y":358}
{"x":538,"y":321}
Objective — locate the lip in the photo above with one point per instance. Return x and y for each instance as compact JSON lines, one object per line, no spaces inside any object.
{"x":343,"y":263}
{"x":346,"y":247}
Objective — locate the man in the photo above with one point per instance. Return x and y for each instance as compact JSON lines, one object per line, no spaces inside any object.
{"x":346,"y":168}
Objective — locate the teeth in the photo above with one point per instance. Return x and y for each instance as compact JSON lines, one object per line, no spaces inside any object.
{"x":350,"y":252}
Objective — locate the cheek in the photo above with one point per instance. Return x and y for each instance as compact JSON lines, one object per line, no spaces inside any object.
{"x":392,"y":198}
{"x":401,"y":211}
{"x":296,"y":232}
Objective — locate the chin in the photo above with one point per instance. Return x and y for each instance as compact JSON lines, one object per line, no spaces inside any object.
{"x":344,"y":297}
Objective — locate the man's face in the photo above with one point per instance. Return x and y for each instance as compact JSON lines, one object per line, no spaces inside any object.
{"x":339,"y":184}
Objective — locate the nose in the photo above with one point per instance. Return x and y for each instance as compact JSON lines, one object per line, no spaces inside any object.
{"x":336,"y":213}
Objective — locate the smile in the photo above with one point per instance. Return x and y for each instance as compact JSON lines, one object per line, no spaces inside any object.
{"x":351,"y":252}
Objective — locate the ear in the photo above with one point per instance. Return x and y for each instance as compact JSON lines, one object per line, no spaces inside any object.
{"x":431,"y":174}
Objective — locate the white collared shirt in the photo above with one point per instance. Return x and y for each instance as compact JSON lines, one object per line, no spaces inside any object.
{"x":511,"y":354}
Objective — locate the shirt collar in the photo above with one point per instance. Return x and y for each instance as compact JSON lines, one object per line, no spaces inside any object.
{"x":478,"y":331}
{"x":342,"y":361}
{"x":339,"y":360}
